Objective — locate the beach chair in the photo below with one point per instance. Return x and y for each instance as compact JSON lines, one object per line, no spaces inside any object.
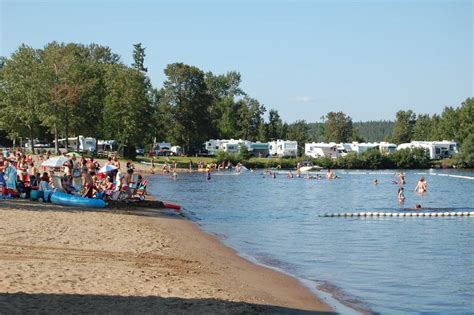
{"x":140,"y":190}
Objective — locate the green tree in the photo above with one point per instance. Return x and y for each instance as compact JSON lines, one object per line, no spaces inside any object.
{"x":449,"y":124}
{"x":128,"y":110}
{"x":338,"y":127}
{"x":21,"y":94}
{"x":139,"y":57}
{"x":250,"y":113}
{"x":466,"y":120}
{"x":467,"y":151}
{"x":274,"y":128}
{"x":404,"y":125}
{"x":423,"y":128}
{"x":298,"y":131}
{"x":186,"y":94}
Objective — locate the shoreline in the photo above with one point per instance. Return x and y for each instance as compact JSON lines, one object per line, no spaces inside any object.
{"x":55,"y":258}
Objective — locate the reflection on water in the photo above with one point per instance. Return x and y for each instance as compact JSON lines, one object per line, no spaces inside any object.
{"x":393,"y":265}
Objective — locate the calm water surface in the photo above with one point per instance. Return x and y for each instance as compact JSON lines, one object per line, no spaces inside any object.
{"x":389,"y":265}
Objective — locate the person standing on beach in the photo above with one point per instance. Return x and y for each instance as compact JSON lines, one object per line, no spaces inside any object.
{"x":153,"y":165}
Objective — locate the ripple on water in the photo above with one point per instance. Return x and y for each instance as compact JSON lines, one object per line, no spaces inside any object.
{"x":391,"y":264}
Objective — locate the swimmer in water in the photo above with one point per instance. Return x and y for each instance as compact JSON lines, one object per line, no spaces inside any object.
{"x":274,"y":175}
{"x":290,"y":174}
{"x":329,"y":174}
{"x":417,"y":206}
{"x":421,"y":186}
{"x":401,"y":177}
{"x":401,"y":195}
{"x":208,"y":174}
{"x":376,"y":181}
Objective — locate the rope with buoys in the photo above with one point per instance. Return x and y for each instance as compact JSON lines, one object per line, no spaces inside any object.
{"x":399,"y":214}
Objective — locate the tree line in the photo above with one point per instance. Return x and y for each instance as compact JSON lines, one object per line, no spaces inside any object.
{"x":71,"y":89}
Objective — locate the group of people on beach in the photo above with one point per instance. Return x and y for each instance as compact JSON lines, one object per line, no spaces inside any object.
{"x":21,"y":173}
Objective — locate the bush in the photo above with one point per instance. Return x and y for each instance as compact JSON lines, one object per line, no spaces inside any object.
{"x":407,"y":158}
{"x":466,"y":156}
{"x":224,"y":156}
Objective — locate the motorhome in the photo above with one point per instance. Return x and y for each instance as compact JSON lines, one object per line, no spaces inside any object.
{"x":436,"y":149}
{"x":176,"y":150}
{"x":316,"y":150}
{"x":163,"y":148}
{"x":82,"y":143}
{"x":226,"y":145}
{"x":362,"y":147}
{"x":387,"y":148}
{"x":343,"y":148}
{"x":259,"y":149}
{"x":212,"y":146}
{"x":282,"y":148}
{"x":106,"y":145}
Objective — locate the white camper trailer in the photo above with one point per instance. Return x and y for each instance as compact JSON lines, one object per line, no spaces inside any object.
{"x":106,"y":145}
{"x":436,"y":149}
{"x":226,"y":145}
{"x":387,"y":148}
{"x":85,"y":143}
{"x":163,"y":148}
{"x":283,"y":148}
{"x":362,"y":147}
{"x":212,"y":146}
{"x":316,"y":150}
{"x":176,"y":150}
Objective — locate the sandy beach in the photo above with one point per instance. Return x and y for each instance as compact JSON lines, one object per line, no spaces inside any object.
{"x":57,"y":260}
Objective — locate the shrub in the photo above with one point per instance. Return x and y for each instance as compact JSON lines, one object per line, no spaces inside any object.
{"x":466,"y":156}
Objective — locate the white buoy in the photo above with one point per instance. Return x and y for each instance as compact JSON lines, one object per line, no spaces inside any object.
{"x":465,"y":213}
{"x":401,"y":214}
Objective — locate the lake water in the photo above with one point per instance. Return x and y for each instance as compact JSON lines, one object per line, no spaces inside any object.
{"x":387,"y":265}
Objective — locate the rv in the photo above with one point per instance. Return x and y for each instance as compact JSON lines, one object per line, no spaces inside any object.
{"x":362,"y":147}
{"x":84,"y":143}
{"x":259,"y":149}
{"x":229,"y":146}
{"x":387,"y":148}
{"x":435,"y":149}
{"x":283,"y":148}
{"x":176,"y":150}
{"x":163,"y":148}
{"x":106,"y":145}
{"x":316,"y":150}
{"x":212,"y":146}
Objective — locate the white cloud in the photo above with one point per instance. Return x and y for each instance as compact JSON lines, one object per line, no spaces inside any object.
{"x":304,"y":99}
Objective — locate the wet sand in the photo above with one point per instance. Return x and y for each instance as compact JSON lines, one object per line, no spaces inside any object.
{"x":57,"y":259}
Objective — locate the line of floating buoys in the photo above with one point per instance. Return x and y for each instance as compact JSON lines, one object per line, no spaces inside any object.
{"x":400,"y":214}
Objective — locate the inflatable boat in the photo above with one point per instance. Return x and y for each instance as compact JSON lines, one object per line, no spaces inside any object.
{"x":63,"y":199}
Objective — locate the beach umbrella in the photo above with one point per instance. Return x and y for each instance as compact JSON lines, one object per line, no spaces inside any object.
{"x":57,"y":161}
{"x":107,"y":168}
{"x":71,"y":154}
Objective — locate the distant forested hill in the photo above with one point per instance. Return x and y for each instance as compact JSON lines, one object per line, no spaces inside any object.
{"x":372,"y":131}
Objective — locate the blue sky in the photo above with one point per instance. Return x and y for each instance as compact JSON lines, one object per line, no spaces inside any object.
{"x":303,"y":58}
